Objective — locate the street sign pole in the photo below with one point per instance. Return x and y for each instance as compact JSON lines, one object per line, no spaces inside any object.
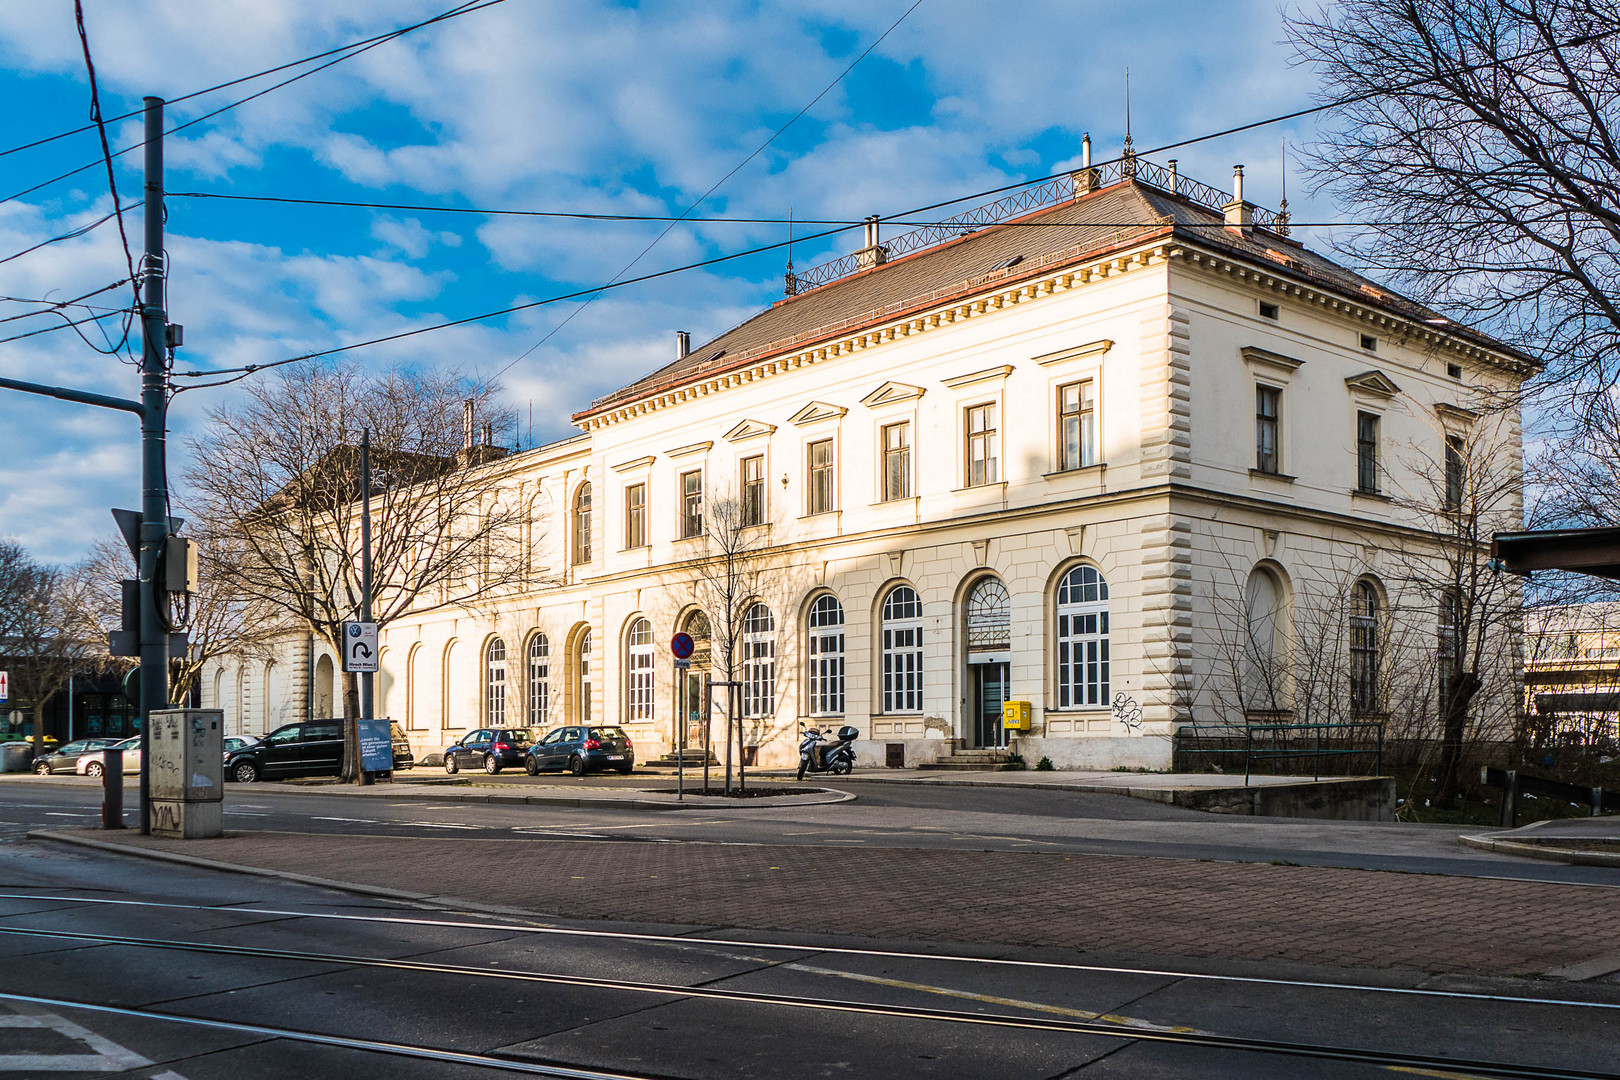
{"x":682,"y":646}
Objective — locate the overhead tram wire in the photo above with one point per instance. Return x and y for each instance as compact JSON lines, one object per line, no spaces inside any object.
{"x":112,"y":186}
{"x":239,"y":80}
{"x":249,"y":369}
{"x":71,"y":234}
{"x":584,"y":215}
{"x":717,"y":184}
{"x":244,"y":371}
{"x":69,"y":324}
{"x":461,"y":9}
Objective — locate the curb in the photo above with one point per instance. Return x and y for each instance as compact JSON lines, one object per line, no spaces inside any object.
{"x":460,"y":792}
{"x":1545,"y":852}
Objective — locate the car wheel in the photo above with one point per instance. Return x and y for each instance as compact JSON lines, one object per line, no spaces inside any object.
{"x":492,"y":764}
{"x":450,"y":765}
{"x":576,"y":765}
{"x":94,"y":769}
{"x":42,"y":768}
{"x":531,"y":766}
{"x":244,"y":772}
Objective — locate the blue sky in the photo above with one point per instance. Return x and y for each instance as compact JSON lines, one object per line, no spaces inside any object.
{"x":533,"y":104}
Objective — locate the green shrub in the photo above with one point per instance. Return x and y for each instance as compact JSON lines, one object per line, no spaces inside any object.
{"x":1014,"y":760}
{"x":1045,"y":765}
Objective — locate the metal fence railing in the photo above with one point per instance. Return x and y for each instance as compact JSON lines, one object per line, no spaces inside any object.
{"x":1281,"y":742}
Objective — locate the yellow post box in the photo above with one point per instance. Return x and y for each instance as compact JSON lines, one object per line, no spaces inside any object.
{"x":1015,"y":715}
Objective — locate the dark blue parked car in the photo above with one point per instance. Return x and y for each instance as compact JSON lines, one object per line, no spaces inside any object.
{"x":490,"y":749}
{"x":581,"y":750}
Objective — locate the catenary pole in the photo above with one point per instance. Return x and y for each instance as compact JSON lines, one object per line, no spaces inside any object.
{"x":154,"y":678}
{"x":366,"y":677}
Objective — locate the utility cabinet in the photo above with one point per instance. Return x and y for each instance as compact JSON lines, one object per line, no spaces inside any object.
{"x":187,"y":748}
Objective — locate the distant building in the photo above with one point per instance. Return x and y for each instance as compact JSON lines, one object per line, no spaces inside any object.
{"x":1112,"y":447}
{"x":1572,"y":670}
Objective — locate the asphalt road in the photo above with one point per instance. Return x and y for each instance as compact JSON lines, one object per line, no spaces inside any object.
{"x":117,"y":966}
{"x":884,"y":815}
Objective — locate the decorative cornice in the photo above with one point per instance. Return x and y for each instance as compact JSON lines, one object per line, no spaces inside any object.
{"x":749,"y":429}
{"x":1000,"y":371}
{"x":815,"y":412}
{"x":635,"y":463}
{"x":891,"y":392}
{"x":1373,"y":382}
{"x":1094,"y":348}
{"x":1041,"y":278}
{"x":1343,"y":302}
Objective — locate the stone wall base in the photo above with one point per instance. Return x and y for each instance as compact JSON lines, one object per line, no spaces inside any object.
{"x":1097,"y":753}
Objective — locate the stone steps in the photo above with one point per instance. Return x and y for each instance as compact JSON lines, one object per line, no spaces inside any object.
{"x":968,"y":759}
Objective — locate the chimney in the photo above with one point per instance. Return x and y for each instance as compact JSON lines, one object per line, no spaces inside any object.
{"x":469,"y":424}
{"x":872,"y":254}
{"x":1175,"y":178}
{"x":489,"y":433}
{"x":1085,"y":180}
{"x":683,"y":344}
{"x":1239,"y":214}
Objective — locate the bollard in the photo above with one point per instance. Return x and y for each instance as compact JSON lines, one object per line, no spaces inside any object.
{"x":112,"y":789}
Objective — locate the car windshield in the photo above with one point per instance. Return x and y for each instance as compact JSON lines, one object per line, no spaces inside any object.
{"x":521,"y":736}
{"x":607,"y":733}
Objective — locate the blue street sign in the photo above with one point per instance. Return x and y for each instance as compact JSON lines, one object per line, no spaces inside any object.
{"x":682,"y":646}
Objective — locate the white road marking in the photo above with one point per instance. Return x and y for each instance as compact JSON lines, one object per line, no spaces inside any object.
{"x":108,"y":1056}
{"x":351,"y":820}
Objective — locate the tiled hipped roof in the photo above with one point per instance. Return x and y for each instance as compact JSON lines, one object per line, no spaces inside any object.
{"x":1123,"y":215}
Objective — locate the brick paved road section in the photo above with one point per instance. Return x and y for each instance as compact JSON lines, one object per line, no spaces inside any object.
{"x":1165,"y":907}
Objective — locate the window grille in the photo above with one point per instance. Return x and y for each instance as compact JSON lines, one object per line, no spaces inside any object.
{"x":1082,"y":640}
{"x":902,"y":651}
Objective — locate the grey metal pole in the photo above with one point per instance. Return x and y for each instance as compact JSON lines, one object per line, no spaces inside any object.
{"x":366,"y":684}
{"x":365,"y":560}
{"x":154,"y":481}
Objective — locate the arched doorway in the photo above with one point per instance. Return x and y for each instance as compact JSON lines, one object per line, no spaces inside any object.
{"x":323,"y":687}
{"x":692,"y":686}
{"x":989,"y":659}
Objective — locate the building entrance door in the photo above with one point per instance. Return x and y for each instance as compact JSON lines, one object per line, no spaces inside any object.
{"x":989,"y":694}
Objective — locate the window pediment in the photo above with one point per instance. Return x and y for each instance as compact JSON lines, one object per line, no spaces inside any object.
{"x":688,"y":451}
{"x":1456,"y":414}
{"x":815,"y":412}
{"x":1094,"y":348}
{"x":1000,"y":371}
{"x":633,"y":464}
{"x":890,"y":393}
{"x":1373,"y":382}
{"x":749,"y":429}
{"x":1274,"y":363}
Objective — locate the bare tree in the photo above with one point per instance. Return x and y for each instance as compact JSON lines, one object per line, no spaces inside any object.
{"x":277,"y":487}
{"x":1483,"y":138}
{"x":727,"y":585}
{"x":1461,"y":496}
{"x":218,"y":623}
{"x":43,"y":631}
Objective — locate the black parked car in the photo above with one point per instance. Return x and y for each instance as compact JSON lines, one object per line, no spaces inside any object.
{"x":313,"y":748}
{"x":582,"y":749}
{"x":490,"y":749}
{"x":66,"y":758}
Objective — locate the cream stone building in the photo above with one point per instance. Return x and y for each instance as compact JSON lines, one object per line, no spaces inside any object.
{"x":1041,"y":454}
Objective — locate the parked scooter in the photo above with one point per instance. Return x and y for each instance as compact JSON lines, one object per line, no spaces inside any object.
{"x":837,"y":759}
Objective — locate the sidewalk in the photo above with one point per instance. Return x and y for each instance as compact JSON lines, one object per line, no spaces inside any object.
{"x":1104,"y":906}
{"x":1592,"y":841}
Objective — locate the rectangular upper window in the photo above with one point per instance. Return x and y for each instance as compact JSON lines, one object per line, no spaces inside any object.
{"x":897,"y":461}
{"x":1269,"y":311}
{"x":1077,"y":426}
{"x":819,"y":466}
{"x":692,"y":503}
{"x":753,"y":490}
{"x":635,"y":516}
{"x":1456,"y":473}
{"x":1367,"y":452}
{"x":979,"y":422}
{"x":1267,"y":429}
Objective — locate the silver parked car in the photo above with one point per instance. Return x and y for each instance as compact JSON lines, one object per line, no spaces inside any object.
{"x":91,"y":764}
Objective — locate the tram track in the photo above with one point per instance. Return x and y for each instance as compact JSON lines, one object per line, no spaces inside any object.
{"x":1106,"y":1028}
{"x":688,"y":940}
